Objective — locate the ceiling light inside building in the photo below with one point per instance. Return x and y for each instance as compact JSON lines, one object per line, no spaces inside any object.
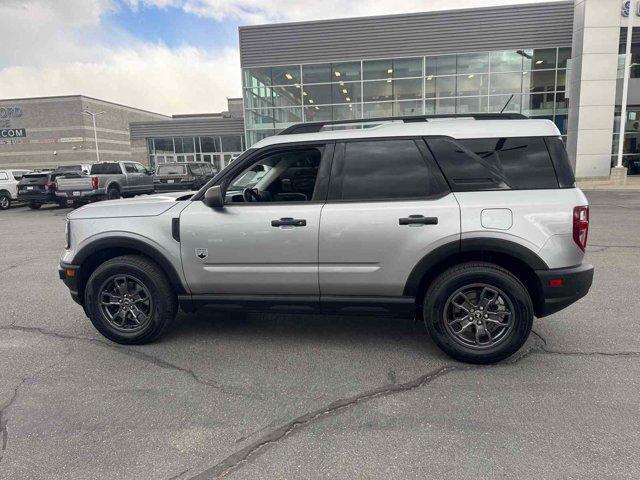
{"x":317,"y":108}
{"x":337,"y":73}
{"x":390,"y":70}
{"x":304,"y":93}
{"x":430,"y":77}
{"x":538,"y":62}
{"x":471,"y":76}
{"x":388,"y":80}
{"x":347,"y":99}
{"x":288,"y":75}
{"x":311,"y":100}
{"x":344,"y":90}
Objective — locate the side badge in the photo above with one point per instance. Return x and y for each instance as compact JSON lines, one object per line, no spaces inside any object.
{"x":202,"y":253}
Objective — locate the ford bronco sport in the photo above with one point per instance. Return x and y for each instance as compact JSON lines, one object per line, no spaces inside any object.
{"x":472,"y":224}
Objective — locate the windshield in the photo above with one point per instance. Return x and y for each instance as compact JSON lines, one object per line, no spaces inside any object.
{"x":172,"y":170}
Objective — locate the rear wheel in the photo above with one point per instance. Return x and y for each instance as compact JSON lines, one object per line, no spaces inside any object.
{"x":113,"y":193}
{"x":34,"y":206}
{"x":478,"y":312}
{"x":5,"y":201}
{"x":130,"y":301}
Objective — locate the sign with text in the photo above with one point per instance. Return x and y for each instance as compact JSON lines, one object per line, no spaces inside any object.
{"x":13,"y":133}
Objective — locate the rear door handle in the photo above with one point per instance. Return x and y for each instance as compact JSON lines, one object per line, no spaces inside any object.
{"x":418,"y":220}
{"x":289,"y":222}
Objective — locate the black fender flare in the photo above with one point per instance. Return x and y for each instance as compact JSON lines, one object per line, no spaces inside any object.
{"x":137,"y":245}
{"x":469,"y":246}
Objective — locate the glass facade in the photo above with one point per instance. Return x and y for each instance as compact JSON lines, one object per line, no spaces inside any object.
{"x":482,"y":82}
{"x":217,"y":150}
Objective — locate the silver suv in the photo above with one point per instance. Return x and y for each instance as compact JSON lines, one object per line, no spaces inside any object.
{"x":472,"y":224}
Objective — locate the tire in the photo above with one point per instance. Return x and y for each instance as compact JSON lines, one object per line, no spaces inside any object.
{"x":5,"y":201}
{"x":159,"y":310}
{"x":62,"y":203}
{"x":34,"y":206}
{"x":113,"y":193}
{"x":460,"y":294}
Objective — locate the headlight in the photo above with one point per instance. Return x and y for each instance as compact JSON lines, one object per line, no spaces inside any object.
{"x":67,"y":234}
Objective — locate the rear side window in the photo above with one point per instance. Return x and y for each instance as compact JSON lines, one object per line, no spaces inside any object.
{"x":196,"y":170}
{"x":566,"y":178}
{"x":383,"y":169}
{"x":105,"y":169}
{"x":4,"y":176}
{"x":495,"y":163}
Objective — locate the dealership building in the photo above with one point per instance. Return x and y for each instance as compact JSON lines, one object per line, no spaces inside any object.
{"x":557,"y":60}
{"x":561,"y":61}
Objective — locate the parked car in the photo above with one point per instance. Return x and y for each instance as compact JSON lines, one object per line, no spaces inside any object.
{"x":171,"y":177}
{"x":39,"y":188}
{"x":474,"y":225}
{"x":9,"y":187}
{"x":106,"y":180}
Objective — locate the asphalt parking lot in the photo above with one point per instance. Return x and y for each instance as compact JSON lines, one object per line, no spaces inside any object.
{"x":315,"y":397}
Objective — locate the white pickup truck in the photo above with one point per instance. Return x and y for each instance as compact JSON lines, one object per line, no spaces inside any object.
{"x":107,"y":180}
{"x":8,"y":187}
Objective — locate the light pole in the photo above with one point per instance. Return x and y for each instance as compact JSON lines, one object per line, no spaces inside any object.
{"x":625,"y":84}
{"x":93,"y":116}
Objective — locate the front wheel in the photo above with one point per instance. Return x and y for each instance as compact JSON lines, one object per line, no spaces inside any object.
{"x":5,"y":201}
{"x":130,"y":301}
{"x":478,"y":312}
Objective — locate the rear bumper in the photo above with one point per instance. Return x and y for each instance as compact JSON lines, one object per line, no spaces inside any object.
{"x":37,"y":197}
{"x":69,"y":275}
{"x":173,"y":187}
{"x":81,"y":194}
{"x":574,"y":283}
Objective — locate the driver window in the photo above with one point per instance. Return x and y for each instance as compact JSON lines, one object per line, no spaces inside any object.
{"x":285,"y":176}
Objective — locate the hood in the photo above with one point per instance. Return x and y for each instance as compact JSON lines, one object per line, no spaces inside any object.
{"x":143,"y":206}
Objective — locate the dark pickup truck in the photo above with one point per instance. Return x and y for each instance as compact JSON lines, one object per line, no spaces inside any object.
{"x":171,"y":177}
{"x":39,"y":188}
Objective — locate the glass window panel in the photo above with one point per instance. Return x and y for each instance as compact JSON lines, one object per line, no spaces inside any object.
{"x":561,"y":122}
{"x":184,"y":145}
{"x":318,"y":114}
{"x":543,"y":59}
{"x":163,"y":145}
{"x":316,"y":94}
{"x":506,"y":61}
{"x":506,"y":83}
{"x":283,"y":117}
{"x":431,"y":66}
{"x":258,"y":97}
{"x":254,"y":77}
{"x":429,"y":107}
{"x":562,"y":103}
{"x":149,"y":146}
{"x":538,"y":104}
{"x":430,"y":86}
{"x":254,"y":136}
{"x":345,"y":71}
{"x":287,"y":96}
{"x":412,"y":107}
{"x":407,"y":67}
{"x":259,"y":119}
{"x":542,"y":81}
{"x":347,"y":112}
{"x":445,"y":64}
{"x":318,"y":73}
{"x":287,"y":75}
{"x":561,"y":80}
{"x":446,"y":87}
{"x":471,"y":104}
{"x":210,"y":144}
{"x":231,"y":143}
{"x":473,"y":63}
{"x":373,"y":110}
{"x":473,"y":84}
{"x":499,"y":102}
{"x":197,"y":143}
{"x":378,"y":91}
{"x":375,"y":69}
{"x":446,"y":105}
{"x":346,"y":92}
{"x":407,"y":89}
{"x":564,"y":54}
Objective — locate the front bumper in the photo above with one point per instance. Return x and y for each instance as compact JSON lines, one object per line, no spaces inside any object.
{"x":69,"y":275}
{"x":562,"y":286}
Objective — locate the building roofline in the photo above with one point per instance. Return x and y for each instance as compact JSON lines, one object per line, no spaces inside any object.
{"x":81,"y":96}
{"x":400,"y":15}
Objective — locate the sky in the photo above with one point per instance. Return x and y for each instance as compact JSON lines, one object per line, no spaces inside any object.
{"x":167,"y":56}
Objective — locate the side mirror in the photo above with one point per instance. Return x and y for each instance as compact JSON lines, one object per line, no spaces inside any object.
{"x":214,"y":197}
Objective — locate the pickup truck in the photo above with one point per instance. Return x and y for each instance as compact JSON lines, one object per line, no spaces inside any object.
{"x":106,"y":180}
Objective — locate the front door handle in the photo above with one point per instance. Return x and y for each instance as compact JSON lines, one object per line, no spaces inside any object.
{"x":289,"y":222}
{"x":418,"y":220}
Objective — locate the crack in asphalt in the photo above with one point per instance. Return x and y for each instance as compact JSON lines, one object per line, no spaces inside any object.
{"x":4,"y":433}
{"x":580,"y":353}
{"x":234,"y":461}
{"x":606,"y":247}
{"x":21,"y":262}
{"x":157,"y":361}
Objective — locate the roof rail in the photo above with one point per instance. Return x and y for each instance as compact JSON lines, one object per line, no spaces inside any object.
{"x":313,"y":127}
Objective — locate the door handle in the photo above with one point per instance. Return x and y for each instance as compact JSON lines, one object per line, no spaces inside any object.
{"x":418,"y":220}
{"x":289,"y":222}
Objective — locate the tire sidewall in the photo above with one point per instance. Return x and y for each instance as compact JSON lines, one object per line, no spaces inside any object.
{"x":92,"y":297}
{"x":436,"y":300}
{"x":113,"y":194}
{"x":8,"y":199}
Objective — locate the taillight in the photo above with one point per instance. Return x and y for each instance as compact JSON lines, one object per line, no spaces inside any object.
{"x":581,"y":226}
{"x":95,"y":182}
{"x":49,"y":186}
